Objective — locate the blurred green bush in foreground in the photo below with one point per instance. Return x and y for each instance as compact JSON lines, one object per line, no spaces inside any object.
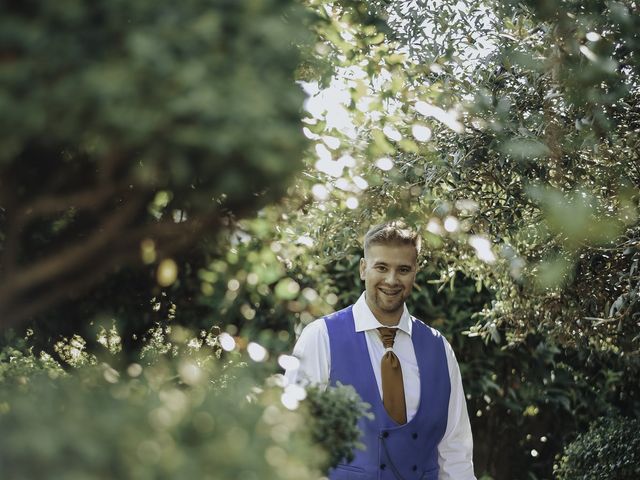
{"x":181,"y":412}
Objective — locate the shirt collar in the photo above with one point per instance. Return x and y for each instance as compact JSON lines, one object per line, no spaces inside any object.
{"x":366,"y":320}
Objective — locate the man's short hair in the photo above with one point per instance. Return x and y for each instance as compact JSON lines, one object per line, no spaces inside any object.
{"x":393,"y":232}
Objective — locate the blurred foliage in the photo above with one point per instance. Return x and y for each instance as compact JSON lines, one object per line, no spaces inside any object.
{"x":124,"y":134}
{"x":184,"y":409}
{"x":336,"y":411}
{"x":609,"y":449}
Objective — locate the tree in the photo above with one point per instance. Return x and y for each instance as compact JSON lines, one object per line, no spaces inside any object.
{"x":125,"y":134}
{"x":520,"y":157}
{"x":520,"y":168}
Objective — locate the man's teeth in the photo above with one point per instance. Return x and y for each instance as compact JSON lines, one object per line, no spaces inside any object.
{"x":390,"y":292}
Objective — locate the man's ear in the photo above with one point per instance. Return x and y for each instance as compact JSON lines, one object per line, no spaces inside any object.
{"x":363,"y":267}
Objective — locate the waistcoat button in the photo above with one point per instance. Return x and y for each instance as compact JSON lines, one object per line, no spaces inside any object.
{"x":414,"y":468}
{"x":383,"y":466}
{"x":414,"y":436}
{"x":385,"y":434}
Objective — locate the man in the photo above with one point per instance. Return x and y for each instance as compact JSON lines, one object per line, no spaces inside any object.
{"x":404,"y":369}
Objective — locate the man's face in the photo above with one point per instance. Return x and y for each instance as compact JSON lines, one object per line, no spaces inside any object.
{"x":388,"y":271}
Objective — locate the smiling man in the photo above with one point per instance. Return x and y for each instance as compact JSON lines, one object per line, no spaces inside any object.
{"x":404,"y":369}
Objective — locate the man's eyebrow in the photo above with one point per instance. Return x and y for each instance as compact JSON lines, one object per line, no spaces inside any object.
{"x":380,"y":262}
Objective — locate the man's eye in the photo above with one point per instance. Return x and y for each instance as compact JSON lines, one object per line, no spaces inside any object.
{"x":380,"y":268}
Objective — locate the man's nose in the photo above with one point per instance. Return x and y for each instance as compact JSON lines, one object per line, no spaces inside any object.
{"x":391,"y":277}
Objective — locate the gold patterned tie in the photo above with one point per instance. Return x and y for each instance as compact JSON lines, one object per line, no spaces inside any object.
{"x":392,"y":385}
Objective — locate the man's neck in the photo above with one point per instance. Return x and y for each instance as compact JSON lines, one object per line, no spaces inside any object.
{"x":386,"y":319}
{"x":388,"y":322}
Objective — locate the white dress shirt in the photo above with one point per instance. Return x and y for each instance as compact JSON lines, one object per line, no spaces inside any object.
{"x":455,"y":450}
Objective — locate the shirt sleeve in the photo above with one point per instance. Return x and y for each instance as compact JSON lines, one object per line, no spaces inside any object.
{"x":455,"y":450}
{"x":312,"y":350}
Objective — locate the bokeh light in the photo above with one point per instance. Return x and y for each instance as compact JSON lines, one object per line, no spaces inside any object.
{"x":257,"y":352}
{"x":227,"y":342}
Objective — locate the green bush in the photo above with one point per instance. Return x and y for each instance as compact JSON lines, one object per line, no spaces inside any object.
{"x":335,"y":412}
{"x":609,"y":449}
{"x":185,"y":410}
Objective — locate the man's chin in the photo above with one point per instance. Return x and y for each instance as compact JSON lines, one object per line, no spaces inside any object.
{"x":390,"y":307}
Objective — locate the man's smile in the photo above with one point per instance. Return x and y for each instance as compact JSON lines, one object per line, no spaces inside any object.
{"x":390,"y":292}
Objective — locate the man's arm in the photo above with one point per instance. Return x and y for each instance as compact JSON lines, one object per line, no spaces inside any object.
{"x":455,"y":451}
{"x":312,"y":350}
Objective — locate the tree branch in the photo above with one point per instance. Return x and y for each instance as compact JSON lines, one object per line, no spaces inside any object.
{"x":90,"y":199}
{"x":25,"y":309}
{"x":69,"y":258}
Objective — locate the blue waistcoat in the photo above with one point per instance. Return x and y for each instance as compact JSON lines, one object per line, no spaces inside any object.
{"x":393,"y":452}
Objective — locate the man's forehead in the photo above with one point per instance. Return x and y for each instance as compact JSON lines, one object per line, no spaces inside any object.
{"x":392,"y":253}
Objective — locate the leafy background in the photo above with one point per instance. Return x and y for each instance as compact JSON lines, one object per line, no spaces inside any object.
{"x":181,"y":178}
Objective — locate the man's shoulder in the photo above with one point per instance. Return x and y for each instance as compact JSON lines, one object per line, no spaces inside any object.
{"x":318,"y":329}
{"x":314,"y":328}
{"x":434,"y":334}
{"x":429,"y":330}
{"x":319,"y":323}
{"x":338,"y":315}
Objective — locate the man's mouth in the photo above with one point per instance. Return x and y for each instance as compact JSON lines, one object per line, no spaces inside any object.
{"x":390,"y":292}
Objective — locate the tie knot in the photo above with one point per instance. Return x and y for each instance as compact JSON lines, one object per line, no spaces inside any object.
{"x":387,"y":335}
